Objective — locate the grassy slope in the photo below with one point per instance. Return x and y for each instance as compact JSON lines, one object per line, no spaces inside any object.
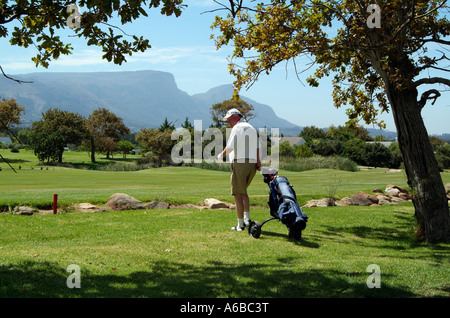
{"x":192,"y":253}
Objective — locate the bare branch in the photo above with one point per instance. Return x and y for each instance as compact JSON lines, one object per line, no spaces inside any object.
{"x":432,"y":80}
{"x":13,"y":79}
{"x":426,"y":96}
{"x":436,"y":41}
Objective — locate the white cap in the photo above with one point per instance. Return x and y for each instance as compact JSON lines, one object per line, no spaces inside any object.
{"x":232,"y":112}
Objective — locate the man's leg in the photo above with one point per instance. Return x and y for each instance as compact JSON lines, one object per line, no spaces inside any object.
{"x":239,"y":212}
{"x":239,"y":201}
{"x":242,"y":203}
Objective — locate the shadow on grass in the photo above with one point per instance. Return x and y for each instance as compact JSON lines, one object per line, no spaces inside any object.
{"x":172,"y":279}
{"x":396,"y":235}
{"x":305,"y":242}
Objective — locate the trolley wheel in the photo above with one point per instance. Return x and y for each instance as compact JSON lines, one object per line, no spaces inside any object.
{"x":295,"y":234}
{"x":254,"y":230}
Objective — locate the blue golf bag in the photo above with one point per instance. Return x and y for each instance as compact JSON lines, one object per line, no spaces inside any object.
{"x":283,"y":207}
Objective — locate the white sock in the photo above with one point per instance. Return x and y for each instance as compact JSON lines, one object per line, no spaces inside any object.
{"x":246,"y":216}
{"x":240,"y":223}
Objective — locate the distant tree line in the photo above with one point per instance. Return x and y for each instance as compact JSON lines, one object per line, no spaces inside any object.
{"x":104,"y":132}
{"x":355,"y":143}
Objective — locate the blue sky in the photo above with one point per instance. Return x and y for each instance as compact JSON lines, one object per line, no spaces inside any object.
{"x":182,"y":46}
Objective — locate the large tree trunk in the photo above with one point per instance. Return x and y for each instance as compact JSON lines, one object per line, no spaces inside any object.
{"x":429,"y":198}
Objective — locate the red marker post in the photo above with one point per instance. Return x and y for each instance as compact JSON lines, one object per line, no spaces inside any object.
{"x":55,"y":203}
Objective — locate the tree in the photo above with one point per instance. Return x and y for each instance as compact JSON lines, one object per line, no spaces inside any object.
{"x":156,"y":141}
{"x":443,"y":156}
{"x":105,"y":129}
{"x":70,"y":126}
{"x":354,"y":150}
{"x":219,"y":110}
{"x":39,"y":21}
{"x":286,"y":150}
{"x":310,"y":133}
{"x":377,"y":54}
{"x":47,"y":146}
{"x":303,"y":151}
{"x":377,"y":155}
{"x":125,"y":147}
{"x":166,"y":126}
{"x":10,"y":113}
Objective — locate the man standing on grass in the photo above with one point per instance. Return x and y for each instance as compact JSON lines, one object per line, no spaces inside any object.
{"x":242,"y":148}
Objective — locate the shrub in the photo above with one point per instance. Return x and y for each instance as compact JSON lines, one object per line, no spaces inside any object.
{"x":303,"y":151}
{"x":443,"y":156}
{"x":377,"y":155}
{"x":286,"y":150}
{"x":354,"y":150}
{"x":396,"y":156}
{"x":317,"y":162}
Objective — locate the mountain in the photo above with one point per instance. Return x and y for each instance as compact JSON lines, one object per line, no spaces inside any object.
{"x":140,"y":98}
{"x":264,"y":114}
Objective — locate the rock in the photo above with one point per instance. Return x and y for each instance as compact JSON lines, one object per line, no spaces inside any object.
{"x":397,"y":200}
{"x":348,"y":201}
{"x":394,"y":190}
{"x":88,"y":207}
{"x":320,"y":203}
{"x":447,"y":188}
{"x":377,"y":191}
{"x":404,"y":196}
{"x":157,"y":205}
{"x":339,"y":203}
{"x":24,"y":210}
{"x":358,"y":199}
{"x":121,"y":201}
{"x":215,"y":204}
{"x":383,"y":199}
{"x":372,"y":198}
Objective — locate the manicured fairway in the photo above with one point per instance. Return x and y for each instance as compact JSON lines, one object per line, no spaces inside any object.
{"x":192,"y":253}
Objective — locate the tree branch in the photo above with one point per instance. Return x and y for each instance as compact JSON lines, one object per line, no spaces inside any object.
{"x":432,"y":80}
{"x":13,"y":79}
{"x":426,"y":96}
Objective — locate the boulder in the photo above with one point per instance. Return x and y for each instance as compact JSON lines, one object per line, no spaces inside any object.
{"x":384,"y":199}
{"x":158,"y":205}
{"x":215,"y":204}
{"x":88,"y":207}
{"x":393,"y":190}
{"x":404,"y":196}
{"x":320,"y":203}
{"x":121,"y":201}
{"x":372,"y":198}
{"x":24,"y":210}
{"x":357,"y":199}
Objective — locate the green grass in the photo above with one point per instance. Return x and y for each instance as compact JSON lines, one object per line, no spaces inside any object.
{"x":193,"y":253}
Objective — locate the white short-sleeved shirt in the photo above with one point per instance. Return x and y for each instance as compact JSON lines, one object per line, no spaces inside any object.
{"x":243,"y":140}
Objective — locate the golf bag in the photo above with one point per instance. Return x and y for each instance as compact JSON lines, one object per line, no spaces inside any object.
{"x":283,"y":206}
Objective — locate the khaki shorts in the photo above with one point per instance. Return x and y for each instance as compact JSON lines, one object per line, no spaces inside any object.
{"x":242,"y":174}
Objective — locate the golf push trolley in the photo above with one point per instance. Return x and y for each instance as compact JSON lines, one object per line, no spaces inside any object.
{"x":283,"y":207}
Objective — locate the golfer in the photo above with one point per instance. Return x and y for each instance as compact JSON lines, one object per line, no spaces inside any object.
{"x":243,"y":152}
